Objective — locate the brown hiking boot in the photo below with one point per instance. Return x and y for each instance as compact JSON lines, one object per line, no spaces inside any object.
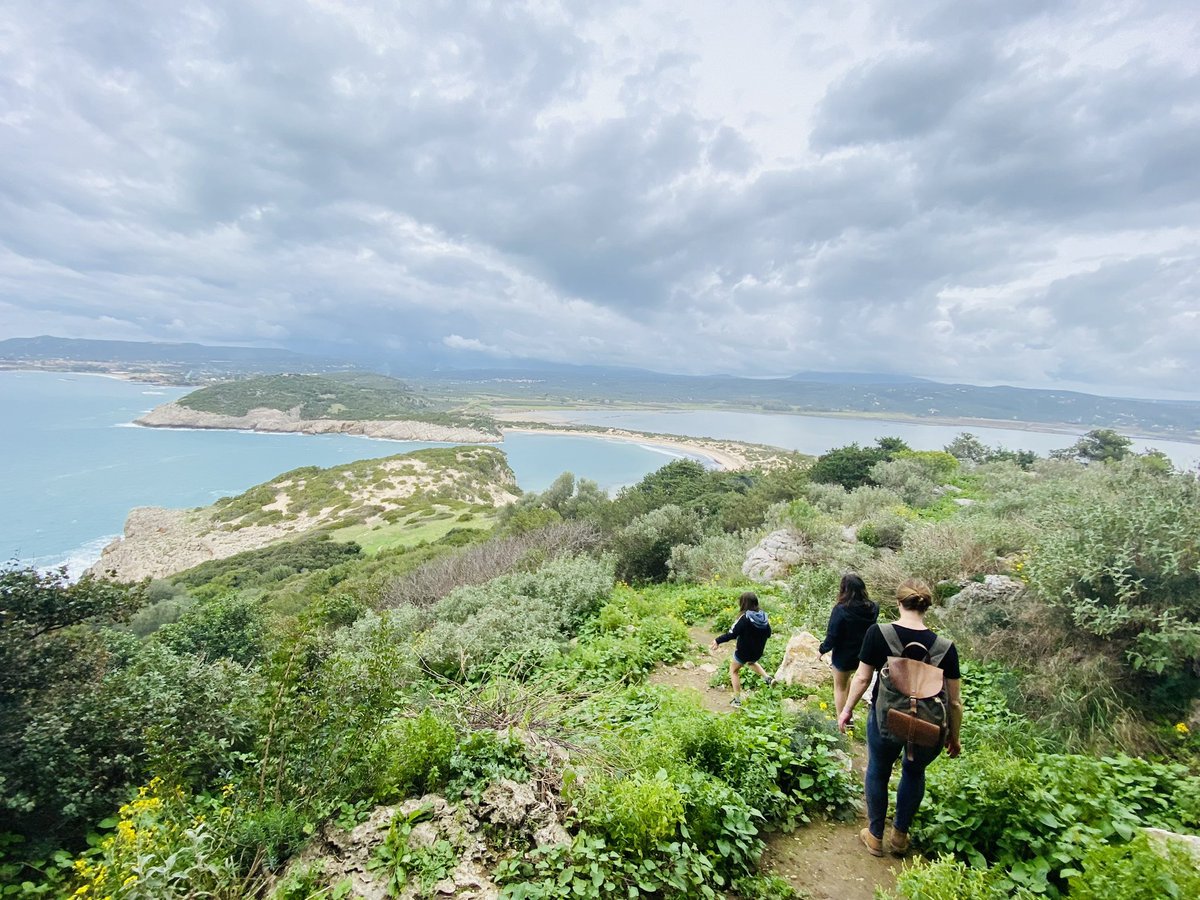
{"x":898,"y":843}
{"x":873,"y":844}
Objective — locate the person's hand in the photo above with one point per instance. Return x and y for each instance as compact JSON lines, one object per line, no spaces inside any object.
{"x":713,"y":645}
{"x":953,"y":748}
{"x":844,"y":718}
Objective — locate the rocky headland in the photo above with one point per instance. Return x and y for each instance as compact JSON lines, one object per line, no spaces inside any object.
{"x":158,"y":542}
{"x":174,"y":415}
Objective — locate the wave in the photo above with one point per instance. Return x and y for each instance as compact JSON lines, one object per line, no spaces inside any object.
{"x":77,"y":560}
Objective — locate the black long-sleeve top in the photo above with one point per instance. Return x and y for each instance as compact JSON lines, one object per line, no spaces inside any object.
{"x":751,"y":630}
{"x":848,"y":623}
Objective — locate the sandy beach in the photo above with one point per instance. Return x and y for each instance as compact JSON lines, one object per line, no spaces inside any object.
{"x":720,"y":452}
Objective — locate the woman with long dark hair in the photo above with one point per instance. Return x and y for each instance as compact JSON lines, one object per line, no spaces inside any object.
{"x":852,"y":615}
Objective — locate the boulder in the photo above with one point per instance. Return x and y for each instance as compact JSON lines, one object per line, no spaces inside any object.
{"x":1189,"y":842}
{"x":774,"y":556}
{"x":801,"y":662}
{"x":993,"y":589}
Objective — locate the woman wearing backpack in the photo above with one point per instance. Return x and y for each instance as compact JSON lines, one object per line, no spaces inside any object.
{"x":852,"y":615}
{"x":881,"y":646}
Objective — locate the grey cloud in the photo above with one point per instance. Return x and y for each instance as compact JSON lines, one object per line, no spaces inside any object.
{"x":392,"y":174}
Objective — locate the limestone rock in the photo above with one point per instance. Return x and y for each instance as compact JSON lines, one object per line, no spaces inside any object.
{"x":1193,"y":719}
{"x":339,"y":854}
{"x":993,"y":589}
{"x":707,"y":668}
{"x":774,"y":556}
{"x":507,"y":802}
{"x":963,"y":501}
{"x":801,"y":663}
{"x":983,"y":607}
{"x":849,"y":534}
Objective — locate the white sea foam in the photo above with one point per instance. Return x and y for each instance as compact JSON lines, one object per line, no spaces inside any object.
{"x":78,"y":560}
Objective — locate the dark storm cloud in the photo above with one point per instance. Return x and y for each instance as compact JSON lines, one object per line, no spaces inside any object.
{"x":984,"y":182}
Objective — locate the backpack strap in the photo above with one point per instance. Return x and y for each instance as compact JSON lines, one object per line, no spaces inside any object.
{"x":893,"y":639}
{"x":941,"y":646}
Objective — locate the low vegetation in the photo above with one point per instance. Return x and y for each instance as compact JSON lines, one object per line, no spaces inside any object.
{"x":193,"y":736}
{"x":351,"y":396}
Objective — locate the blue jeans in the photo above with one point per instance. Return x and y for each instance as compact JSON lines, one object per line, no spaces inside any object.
{"x":881,"y":759}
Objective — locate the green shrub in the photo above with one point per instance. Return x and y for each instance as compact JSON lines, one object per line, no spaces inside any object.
{"x":413,"y":756}
{"x":1139,"y":870}
{"x":767,"y":887}
{"x":943,"y":551}
{"x":1120,"y":552}
{"x":948,"y":879}
{"x":1036,"y":819}
{"x":864,"y":502}
{"x":717,"y":556}
{"x":884,"y":529}
{"x":910,"y":478}
{"x":643,"y":547}
{"x":633,"y":813}
{"x":814,"y":590}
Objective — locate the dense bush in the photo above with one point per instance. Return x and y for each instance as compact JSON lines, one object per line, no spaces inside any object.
{"x":517,"y":620}
{"x":643,"y":547}
{"x":1036,"y":819}
{"x":716,"y":556}
{"x":850,"y":466}
{"x":1120,"y":551}
{"x":1139,"y":870}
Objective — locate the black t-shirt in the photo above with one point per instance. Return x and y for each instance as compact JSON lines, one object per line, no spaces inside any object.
{"x":875,"y":650}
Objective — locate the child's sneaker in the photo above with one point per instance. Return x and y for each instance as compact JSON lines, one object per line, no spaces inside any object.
{"x":736,"y":702}
{"x":769,"y":680}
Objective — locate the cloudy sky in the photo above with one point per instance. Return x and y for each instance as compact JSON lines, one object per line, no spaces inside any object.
{"x":971,"y":191}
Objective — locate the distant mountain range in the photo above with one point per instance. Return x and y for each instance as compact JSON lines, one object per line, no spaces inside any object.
{"x":177,"y":363}
{"x":548,"y":384}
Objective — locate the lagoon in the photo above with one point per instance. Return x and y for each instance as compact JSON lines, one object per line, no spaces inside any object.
{"x":817,"y":434}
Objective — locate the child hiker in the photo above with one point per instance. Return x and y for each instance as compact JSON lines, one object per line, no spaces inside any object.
{"x":751,"y":629}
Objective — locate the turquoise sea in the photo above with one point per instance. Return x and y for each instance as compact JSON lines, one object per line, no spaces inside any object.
{"x":73,"y":465}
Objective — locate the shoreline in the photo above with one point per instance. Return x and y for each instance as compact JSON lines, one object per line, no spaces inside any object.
{"x":724,"y":459}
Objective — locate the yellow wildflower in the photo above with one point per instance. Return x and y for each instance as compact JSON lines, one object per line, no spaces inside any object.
{"x":1182,"y":728}
{"x":824,"y":705}
{"x":128,"y":881}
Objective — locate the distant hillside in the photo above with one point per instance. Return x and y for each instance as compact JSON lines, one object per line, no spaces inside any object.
{"x":353,"y":397}
{"x":177,"y":363}
{"x":822,"y":393}
{"x":375,"y":502}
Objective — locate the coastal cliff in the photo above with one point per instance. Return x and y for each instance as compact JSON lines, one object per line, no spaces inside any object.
{"x":368,"y":497}
{"x":173,"y":415}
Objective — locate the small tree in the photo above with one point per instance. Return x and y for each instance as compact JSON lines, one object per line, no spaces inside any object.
{"x":1098,"y":445}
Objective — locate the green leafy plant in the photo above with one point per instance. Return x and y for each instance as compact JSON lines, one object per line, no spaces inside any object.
{"x":402,"y":863}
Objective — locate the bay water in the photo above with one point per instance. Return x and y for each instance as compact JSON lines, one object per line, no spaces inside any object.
{"x":72,"y":464}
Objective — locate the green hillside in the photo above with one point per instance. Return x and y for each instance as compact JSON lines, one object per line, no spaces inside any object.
{"x":343,"y":396}
{"x":534,"y":711}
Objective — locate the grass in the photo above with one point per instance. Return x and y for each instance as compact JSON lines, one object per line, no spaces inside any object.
{"x":409,"y":533}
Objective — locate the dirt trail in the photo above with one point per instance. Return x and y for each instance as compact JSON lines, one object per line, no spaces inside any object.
{"x":824,"y":859}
